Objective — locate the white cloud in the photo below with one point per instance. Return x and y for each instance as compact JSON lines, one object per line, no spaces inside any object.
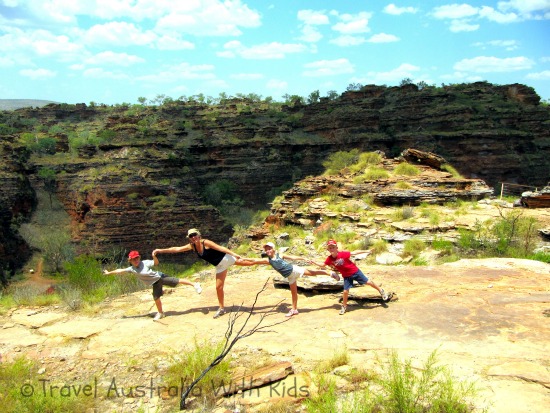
{"x":395,"y":10}
{"x":312,"y":17}
{"x":328,"y":68}
{"x":405,"y":70}
{"x":182,"y":71}
{"x":118,"y":34}
{"x":353,"y":23}
{"x":99,"y":73}
{"x":112,"y":58}
{"x":346,"y":41}
{"x":506,"y":44}
{"x":462,"y":26}
{"x":487,"y":64}
{"x":454,"y":11}
{"x":508,"y":12}
{"x":23,"y":46}
{"x":35,"y":74}
{"x":461,"y":77}
{"x":168,"y":42}
{"x":273,"y":50}
{"x":544,"y":75}
{"x":525,"y":6}
{"x":492,"y":15}
{"x":310,"y":34}
{"x":383,"y":38}
{"x":545,"y":59}
{"x":209,"y":18}
{"x":6,"y":61}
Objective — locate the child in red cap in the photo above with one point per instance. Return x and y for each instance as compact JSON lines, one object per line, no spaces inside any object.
{"x":340,"y":261}
{"x":156,"y":279}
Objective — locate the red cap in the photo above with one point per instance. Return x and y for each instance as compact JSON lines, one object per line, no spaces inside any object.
{"x":133,"y":254}
{"x":331,"y":242}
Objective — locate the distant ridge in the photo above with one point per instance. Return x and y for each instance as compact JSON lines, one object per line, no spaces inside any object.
{"x":12,"y":104}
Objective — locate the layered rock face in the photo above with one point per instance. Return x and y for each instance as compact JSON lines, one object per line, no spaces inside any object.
{"x":495,"y":133}
{"x":133,"y":177}
{"x":428,"y":186}
{"x":16,"y":203}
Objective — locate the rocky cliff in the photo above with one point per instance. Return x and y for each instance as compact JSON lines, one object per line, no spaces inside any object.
{"x":16,"y":203}
{"x":135,"y":176}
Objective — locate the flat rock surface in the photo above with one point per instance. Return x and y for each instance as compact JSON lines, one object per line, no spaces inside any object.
{"x":488,"y":320}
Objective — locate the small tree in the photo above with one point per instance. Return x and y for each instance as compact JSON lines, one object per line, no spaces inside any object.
{"x":47,"y":176}
{"x":332,"y":94}
{"x":313,"y":97}
{"x":233,"y":334}
{"x":354,"y":87}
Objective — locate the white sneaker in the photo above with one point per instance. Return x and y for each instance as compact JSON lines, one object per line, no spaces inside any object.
{"x":158,"y":316}
{"x":335,"y":276}
{"x":342,"y":310}
{"x":219,"y":313}
{"x":198,"y":288}
{"x":291,"y":313}
{"x":384,"y":295}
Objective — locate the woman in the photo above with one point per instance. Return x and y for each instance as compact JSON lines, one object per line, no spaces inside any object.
{"x":220,"y":257}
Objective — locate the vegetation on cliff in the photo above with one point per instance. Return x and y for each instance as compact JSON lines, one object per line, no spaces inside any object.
{"x":159,"y":167}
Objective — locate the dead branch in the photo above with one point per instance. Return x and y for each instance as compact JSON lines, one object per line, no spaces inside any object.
{"x":232,"y":337}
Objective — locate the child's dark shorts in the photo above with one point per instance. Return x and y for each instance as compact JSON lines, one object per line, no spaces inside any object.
{"x":361,"y":279}
{"x":164,"y":280}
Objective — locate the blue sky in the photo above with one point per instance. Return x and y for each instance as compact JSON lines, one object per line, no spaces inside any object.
{"x":115,"y":51}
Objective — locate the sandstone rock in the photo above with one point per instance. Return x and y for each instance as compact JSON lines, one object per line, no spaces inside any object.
{"x":257,"y":378}
{"x":33,"y":319}
{"x":320,"y":282}
{"x":523,"y":370}
{"x":387,"y":258}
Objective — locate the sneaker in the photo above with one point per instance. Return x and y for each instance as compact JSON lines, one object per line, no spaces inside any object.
{"x":342,"y":310}
{"x":219,"y":313}
{"x":291,"y":313}
{"x":198,"y":288}
{"x":158,"y":316}
{"x":384,"y":295}
{"x":335,"y":276}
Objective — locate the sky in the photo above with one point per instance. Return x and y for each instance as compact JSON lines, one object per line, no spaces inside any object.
{"x":117,"y":51}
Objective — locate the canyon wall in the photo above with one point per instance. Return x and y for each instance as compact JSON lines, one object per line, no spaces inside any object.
{"x":133,"y":177}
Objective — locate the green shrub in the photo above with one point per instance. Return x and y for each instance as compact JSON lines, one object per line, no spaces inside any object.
{"x":406,"y":169}
{"x":22,"y":390}
{"x":428,"y":389}
{"x":540,"y":256}
{"x":325,"y":400}
{"x":32,"y":295}
{"x":339,"y":358}
{"x":448,"y":168}
{"x":379,"y":246}
{"x":85,"y":274}
{"x":442,"y":245}
{"x":403,"y":213}
{"x":403,"y":185}
{"x":222,"y":192}
{"x":192,"y":363}
{"x":413,"y":247}
{"x":340,"y":160}
{"x":365,"y":160}
{"x":371,"y":174}
{"x":511,"y":235}
{"x":419,"y":262}
{"x":71,"y":297}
